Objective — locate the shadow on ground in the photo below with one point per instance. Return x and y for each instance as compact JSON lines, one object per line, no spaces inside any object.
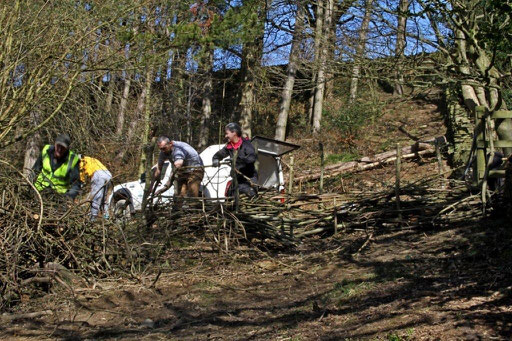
{"x":454,"y":282}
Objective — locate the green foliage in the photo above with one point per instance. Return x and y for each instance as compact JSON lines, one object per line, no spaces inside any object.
{"x":387,"y":145}
{"x":507,"y":96}
{"x":352,"y":117}
{"x":394,"y":336}
{"x":125,"y":35}
{"x":347,"y":289}
{"x":342,"y":157}
{"x":497,"y":31}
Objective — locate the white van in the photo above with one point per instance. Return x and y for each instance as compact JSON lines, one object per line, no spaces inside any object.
{"x":126,"y":198}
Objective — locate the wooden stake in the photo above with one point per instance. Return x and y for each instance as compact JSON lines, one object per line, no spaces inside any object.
{"x":335,"y":218}
{"x":439,"y":162}
{"x":257,"y":162}
{"x":397,"y":181}
{"x":220,"y":132}
{"x":321,"y":145}
{"x":290,"y":179}
{"x":235,"y":181}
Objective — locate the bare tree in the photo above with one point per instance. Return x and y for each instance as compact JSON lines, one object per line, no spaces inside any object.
{"x":206,"y":107}
{"x":322,"y":63}
{"x":251,"y":60}
{"x":33,"y":145}
{"x":291,"y":70}
{"x":146,"y":157}
{"x":360,"y":50}
{"x":319,"y":24}
{"x":401,"y":30}
{"x":123,"y":103}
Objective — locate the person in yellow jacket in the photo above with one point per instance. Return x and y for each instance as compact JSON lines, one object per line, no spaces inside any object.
{"x":93,"y":169}
{"x":57,"y":168}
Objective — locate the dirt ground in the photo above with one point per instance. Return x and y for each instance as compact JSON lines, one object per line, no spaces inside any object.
{"x":453,"y":283}
{"x":446,"y":284}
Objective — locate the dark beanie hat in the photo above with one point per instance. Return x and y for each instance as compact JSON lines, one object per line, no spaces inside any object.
{"x":64,"y":140}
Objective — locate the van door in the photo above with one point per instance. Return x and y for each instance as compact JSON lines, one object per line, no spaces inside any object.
{"x":269,"y":160}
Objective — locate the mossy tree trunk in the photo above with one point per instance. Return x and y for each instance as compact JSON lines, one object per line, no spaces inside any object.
{"x":459,"y":126}
{"x":471,"y":66}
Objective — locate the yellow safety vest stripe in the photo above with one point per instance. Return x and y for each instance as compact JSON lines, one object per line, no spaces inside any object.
{"x":58,"y":179}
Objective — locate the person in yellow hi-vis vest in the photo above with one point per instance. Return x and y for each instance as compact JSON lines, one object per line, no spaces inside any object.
{"x":93,"y":169}
{"x":57,"y":168}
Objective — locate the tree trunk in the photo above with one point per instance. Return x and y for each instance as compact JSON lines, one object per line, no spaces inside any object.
{"x":318,"y":43}
{"x":459,"y":128}
{"x":251,"y":63}
{"x":246,"y":104}
{"x":141,"y":104}
{"x":403,"y":8}
{"x":206,"y":110}
{"x":320,"y":81}
{"x":123,"y":104}
{"x":340,"y":9}
{"x":189,"y":115}
{"x":360,"y":49}
{"x":110,"y":94}
{"x":469,"y":94}
{"x":475,"y":95}
{"x":179,"y":92}
{"x":33,"y":146}
{"x":146,"y":120}
{"x":286,"y":97}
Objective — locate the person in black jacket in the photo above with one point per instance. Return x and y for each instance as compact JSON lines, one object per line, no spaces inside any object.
{"x":246,"y":174}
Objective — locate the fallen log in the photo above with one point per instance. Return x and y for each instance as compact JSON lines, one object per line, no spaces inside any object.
{"x":417,"y":147}
{"x":7,"y":318}
{"x":367,"y":163}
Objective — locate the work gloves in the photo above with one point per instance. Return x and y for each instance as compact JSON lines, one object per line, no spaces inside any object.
{"x":215,"y":163}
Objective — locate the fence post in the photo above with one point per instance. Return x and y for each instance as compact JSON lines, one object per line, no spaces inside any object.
{"x":440,"y":163}
{"x":235,"y":181}
{"x":290,"y":178}
{"x":397,"y":180}
{"x":321,"y":145}
{"x":335,"y":217}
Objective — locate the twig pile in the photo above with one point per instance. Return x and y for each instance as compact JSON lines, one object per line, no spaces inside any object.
{"x":288,"y":219}
{"x":43,"y":237}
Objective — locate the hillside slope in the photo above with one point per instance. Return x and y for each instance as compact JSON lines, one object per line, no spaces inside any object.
{"x":440,"y":282}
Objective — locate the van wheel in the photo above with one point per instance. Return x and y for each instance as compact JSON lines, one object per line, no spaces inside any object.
{"x":122,"y":210}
